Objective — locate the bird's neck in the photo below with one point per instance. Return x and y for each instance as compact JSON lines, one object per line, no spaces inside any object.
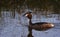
{"x":30,"y":22}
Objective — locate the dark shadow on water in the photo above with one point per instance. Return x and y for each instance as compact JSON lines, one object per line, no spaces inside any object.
{"x":30,"y":32}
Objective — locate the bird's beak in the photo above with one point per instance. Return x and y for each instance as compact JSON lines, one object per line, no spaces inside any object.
{"x":24,"y":14}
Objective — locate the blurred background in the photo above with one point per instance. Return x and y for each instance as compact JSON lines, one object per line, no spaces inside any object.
{"x":13,"y":23}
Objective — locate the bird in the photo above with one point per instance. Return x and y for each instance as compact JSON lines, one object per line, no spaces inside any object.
{"x":39,"y":26}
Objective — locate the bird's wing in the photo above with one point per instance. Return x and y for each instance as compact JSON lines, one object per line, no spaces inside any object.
{"x":39,"y":23}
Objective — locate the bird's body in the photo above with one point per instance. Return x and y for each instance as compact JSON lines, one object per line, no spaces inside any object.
{"x":40,"y":26}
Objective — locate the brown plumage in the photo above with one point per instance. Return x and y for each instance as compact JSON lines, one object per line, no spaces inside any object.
{"x":41,"y":26}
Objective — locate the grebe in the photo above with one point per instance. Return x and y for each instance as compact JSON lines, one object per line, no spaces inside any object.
{"x":40,"y":26}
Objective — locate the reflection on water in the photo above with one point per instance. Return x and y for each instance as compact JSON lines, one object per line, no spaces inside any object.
{"x":30,"y":32}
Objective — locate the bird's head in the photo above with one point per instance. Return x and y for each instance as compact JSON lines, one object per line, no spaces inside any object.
{"x":28,"y":15}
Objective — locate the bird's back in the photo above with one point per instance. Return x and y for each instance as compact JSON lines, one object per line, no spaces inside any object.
{"x":39,"y":23}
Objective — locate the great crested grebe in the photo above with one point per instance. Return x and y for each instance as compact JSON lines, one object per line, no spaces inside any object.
{"x":40,"y":26}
